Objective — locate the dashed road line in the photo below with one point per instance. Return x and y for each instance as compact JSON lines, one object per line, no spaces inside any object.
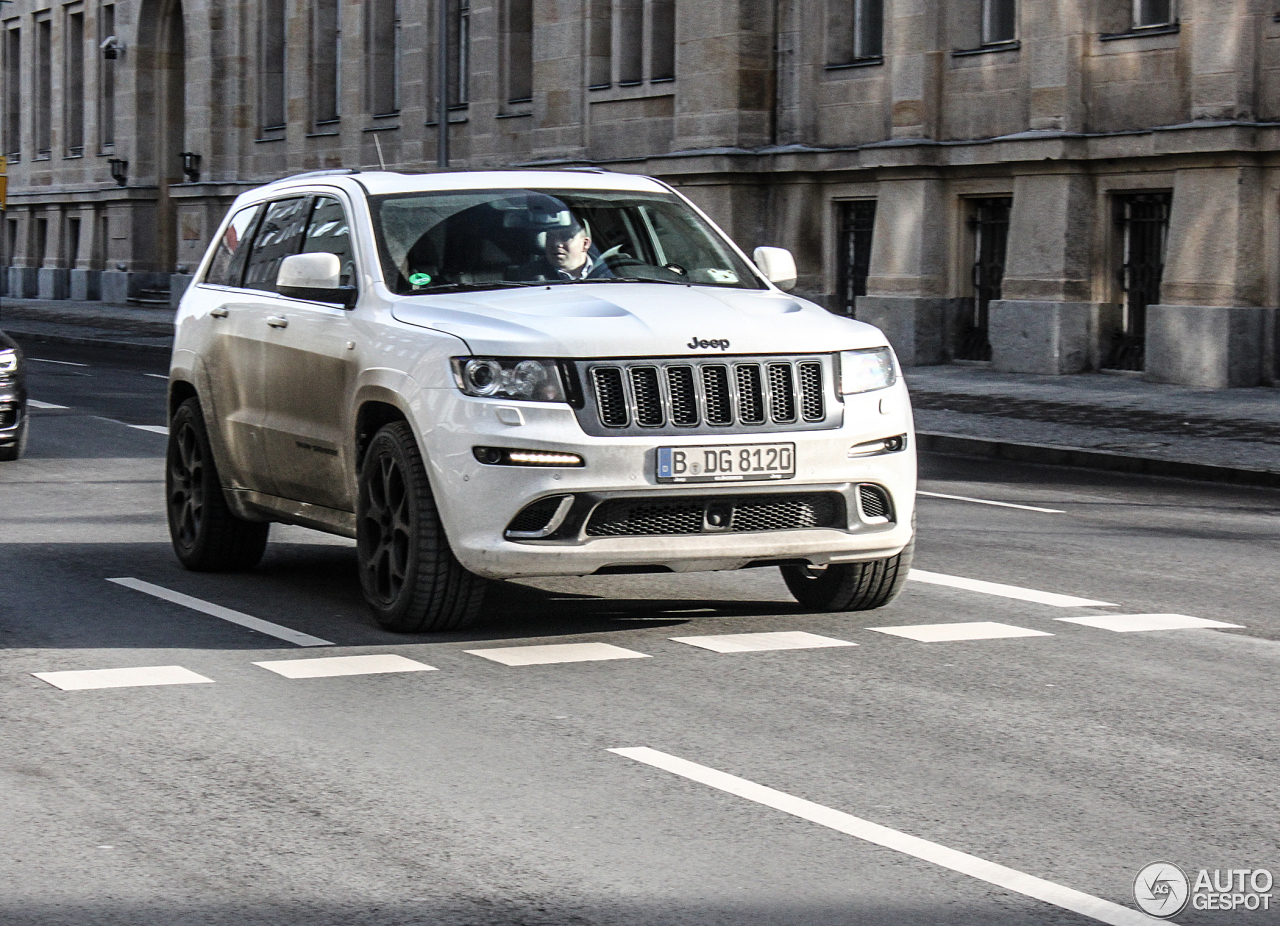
{"x":1132,"y":623}
{"x":226,"y":614}
{"x":761,"y":642}
{"x":969,"y":630}
{"x":332,"y":666}
{"x":153,"y":428}
{"x":61,"y":363}
{"x":985,"y":501}
{"x":1006,"y":591}
{"x":36,"y":403}
{"x":1010,"y":879}
{"x":164,"y":376}
{"x":555,"y":653}
{"x":86,"y":679}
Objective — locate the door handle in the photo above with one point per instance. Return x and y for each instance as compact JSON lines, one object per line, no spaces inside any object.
{"x":219,"y":312}
{"x":277,"y":321}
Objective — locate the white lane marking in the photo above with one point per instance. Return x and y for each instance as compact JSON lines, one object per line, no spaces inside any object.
{"x":555,"y":653}
{"x":984,"y":501}
{"x":761,"y":642}
{"x":35,"y":403}
{"x":1131,"y":623}
{"x":153,"y":428}
{"x":374,"y":664}
{"x":157,"y":375}
{"x":1006,"y":591}
{"x":1008,"y":878}
{"x":61,"y":363}
{"x":85,"y":679}
{"x":216,"y":610}
{"x":972,"y":630}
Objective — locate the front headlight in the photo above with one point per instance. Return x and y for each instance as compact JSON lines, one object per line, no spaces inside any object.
{"x":865,"y":370}
{"x":531,"y":380}
{"x":8,"y":363}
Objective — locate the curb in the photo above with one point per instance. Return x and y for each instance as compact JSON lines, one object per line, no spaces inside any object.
{"x":79,"y":341}
{"x":1079,"y":458}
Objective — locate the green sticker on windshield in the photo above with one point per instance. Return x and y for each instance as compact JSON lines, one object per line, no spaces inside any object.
{"x":419,"y":279}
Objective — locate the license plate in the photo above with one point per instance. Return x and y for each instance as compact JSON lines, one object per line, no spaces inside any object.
{"x":726,"y":462}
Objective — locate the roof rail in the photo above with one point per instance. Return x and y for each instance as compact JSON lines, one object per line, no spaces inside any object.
{"x":320,"y":173}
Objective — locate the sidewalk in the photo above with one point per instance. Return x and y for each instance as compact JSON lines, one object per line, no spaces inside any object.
{"x":1096,"y":421}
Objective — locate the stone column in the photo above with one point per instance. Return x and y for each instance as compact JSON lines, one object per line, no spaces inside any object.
{"x":1209,"y":329}
{"x":1046,"y":322}
{"x":907,"y":284}
{"x":86,"y":279}
{"x":22,"y":265}
{"x":53,"y":280}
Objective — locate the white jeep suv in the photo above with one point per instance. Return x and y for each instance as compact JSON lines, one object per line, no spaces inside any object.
{"x":506,"y":374}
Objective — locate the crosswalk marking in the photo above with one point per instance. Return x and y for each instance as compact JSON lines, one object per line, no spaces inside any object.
{"x":372,"y":664}
{"x":36,"y":403}
{"x":761,"y":642}
{"x":1006,"y":591}
{"x":1131,"y":623}
{"x":986,"y":501}
{"x":85,"y":679}
{"x":153,"y":428}
{"x":972,"y":630}
{"x":555,"y":653}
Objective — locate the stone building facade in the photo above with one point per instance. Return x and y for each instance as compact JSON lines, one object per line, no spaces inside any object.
{"x":1046,"y":185}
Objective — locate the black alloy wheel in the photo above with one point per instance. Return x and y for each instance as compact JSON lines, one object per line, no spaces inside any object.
{"x":207,"y":536}
{"x":411,"y":579}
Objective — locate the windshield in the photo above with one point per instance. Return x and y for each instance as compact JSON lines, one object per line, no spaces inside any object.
{"x":488,"y":239}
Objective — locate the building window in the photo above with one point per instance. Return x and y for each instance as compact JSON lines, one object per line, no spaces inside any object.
{"x":44,"y":87}
{"x":13,"y":93}
{"x":271,"y":69}
{"x":460,"y":53}
{"x":1154,"y":13}
{"x":326,"y":62}
{"x":518,"y":38}
{"x":856,"y":223}
{"x":383,"y":56}
{"x":1143,"y":223}
{"x":106,"y":81}
{"x":999,"y":21}
{"x":855,"y":31}
{"x":73,"y":93}
{"x":615,"y":55}
{"x":989,"y":223}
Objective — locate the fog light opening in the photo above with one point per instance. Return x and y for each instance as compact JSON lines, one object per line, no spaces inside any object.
{"x":873,"y":448}
{"x":503,"y":456}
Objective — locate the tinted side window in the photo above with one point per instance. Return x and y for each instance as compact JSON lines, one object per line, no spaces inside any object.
{"x":228,"y":261}
{"x":328,"y":232}
{"x":279,"y":236}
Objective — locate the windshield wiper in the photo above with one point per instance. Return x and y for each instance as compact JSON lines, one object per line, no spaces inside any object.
{"x":472,"y":287}
{"x":628,"y":280}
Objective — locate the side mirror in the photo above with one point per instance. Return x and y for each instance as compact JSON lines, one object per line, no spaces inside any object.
{"x":777,"y":265}
{"x":317,"y":277}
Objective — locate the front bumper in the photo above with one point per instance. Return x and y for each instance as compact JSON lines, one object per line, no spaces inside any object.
{"x":477,"y":502}
{"x":13,"y":414}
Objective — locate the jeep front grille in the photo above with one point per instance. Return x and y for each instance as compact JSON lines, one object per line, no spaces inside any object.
{"x":706,"y":395}
{"x":716,"y":514}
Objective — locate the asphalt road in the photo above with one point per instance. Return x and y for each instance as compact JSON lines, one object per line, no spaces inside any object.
{"x":484,"y":793}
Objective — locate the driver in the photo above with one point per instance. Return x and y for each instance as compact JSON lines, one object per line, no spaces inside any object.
{"x":568,"y":251}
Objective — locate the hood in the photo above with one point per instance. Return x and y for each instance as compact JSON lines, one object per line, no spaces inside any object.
{"x":635,"y":320}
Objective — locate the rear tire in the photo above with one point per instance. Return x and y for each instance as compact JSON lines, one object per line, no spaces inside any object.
{"x":410,"y":577}
{"x":207,"y":535}
{"x":850,"y":586}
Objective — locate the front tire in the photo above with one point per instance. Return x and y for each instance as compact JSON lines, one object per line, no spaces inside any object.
{"x":850,"y":586}
{"x":15,"y":450}
{"x":410,"y":577}
{"x":207,"y":535}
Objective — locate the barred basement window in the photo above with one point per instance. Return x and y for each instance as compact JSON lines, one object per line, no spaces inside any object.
{"x":1143,"y":223}
{"x":73,"y":93}
{"x":1154,"y":13}
{"x":271,"y":65}
{"x":855,"y":31}
{"x":989,"y":222}
{"x":13,"y":93}
{"x":383,"y":56}
{"x":326,"y":60}
{"x":631,"y":42}
{"x":999,"y":21}
{"x":857,"y":222}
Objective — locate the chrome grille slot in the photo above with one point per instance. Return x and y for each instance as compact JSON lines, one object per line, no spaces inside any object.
{"x":782,"y":397}
{"x":715,"y":389}
{"x":684,"y":395}
{"x":750,"y":395}
{"x":708,"y":395}
{"x":811,"y":404}
{"x":611,"y":397}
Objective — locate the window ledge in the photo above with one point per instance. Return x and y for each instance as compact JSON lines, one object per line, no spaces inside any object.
{"x":514,"y":115}
{"x":867,"y":62}
{"x":382,"y":128}
{"x":989,"y":49}
{"x":268,"y":138}
{"x":632,"y":90}
{"x":1142,"y":31}
{"x":322,"y":135}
